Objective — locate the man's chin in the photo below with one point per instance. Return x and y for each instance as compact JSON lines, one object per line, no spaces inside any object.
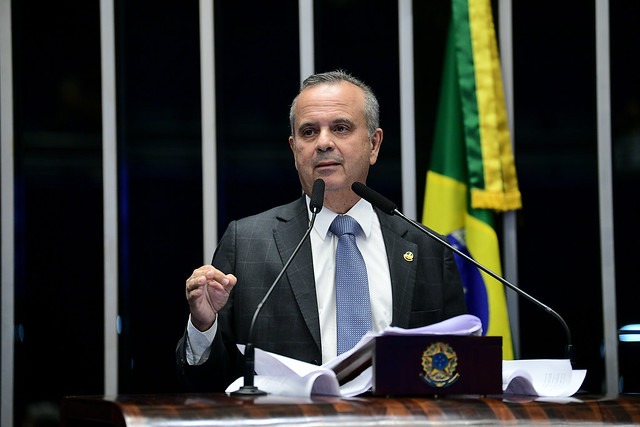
{"x":332,"y":185}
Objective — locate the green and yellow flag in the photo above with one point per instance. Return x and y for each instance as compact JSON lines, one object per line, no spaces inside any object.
{"x":472,"y":172}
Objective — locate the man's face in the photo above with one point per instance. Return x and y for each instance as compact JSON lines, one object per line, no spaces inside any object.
{"x":330,"y":137}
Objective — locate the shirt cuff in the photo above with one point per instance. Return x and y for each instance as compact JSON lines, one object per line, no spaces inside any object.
{"x":199,"y":343}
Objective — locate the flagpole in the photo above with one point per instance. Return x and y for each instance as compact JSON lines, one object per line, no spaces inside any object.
{"x":510,"y":238}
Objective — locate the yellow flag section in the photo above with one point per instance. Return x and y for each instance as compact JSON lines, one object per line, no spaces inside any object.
{"x":472,"y":172}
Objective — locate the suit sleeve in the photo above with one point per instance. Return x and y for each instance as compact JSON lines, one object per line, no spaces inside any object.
{"x":215,"y":374}
{"x":224,"y":364}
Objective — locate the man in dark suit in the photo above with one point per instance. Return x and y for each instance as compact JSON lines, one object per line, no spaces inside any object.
{"x":412,"y":280}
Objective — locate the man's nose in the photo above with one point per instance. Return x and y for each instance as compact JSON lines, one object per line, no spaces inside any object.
{"x":324,"y":141}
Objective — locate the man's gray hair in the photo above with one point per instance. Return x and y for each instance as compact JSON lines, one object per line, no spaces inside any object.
{"x":371,"y":105}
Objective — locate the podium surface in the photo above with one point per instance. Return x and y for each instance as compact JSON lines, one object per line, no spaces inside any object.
{"x":223,"y":410}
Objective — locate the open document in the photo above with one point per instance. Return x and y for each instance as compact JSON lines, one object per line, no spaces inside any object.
{"x":348,"y":374}
{"x":541,"y":377}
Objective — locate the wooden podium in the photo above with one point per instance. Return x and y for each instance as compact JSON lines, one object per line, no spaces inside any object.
{"x":223,"y":410}
{"x":437,"y":380}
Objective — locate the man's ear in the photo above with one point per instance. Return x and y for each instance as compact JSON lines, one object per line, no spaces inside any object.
{"x":292,"y":145}
{"x":376,"y":142}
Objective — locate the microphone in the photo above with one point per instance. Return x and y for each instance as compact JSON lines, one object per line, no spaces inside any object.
{"x":317,"y":199}
{"x":388,"y":207}
{"x":248,"y":388}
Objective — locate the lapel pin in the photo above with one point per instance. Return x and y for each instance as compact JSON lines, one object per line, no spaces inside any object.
{"x":408,"y":256}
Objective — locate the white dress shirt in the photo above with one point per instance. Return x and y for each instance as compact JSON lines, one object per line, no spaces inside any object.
{"x":371,"y":245}
{"x":323,"y":248}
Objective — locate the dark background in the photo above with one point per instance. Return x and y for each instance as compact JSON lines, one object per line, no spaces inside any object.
{"x":58,"y":158}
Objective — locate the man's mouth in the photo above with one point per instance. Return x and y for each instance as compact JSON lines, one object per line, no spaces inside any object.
{"x":327,"y":161}
{"x":326,"y":164}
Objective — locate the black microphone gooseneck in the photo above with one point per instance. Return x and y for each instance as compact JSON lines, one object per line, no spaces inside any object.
{"x":249,"y":389}
{"x":390,"y":208}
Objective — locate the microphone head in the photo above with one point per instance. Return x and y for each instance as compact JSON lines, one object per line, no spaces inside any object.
{"x":317,"y":196}
{"x":373,"y":197}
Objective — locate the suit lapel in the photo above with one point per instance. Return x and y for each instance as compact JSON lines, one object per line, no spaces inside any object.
{"x":292,"y":226}
{"x":403,"y":265}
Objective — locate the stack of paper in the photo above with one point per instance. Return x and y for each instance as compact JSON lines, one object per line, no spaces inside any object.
{"x":282,"y":375}
{"x":350,"y":374}
{"x":541,"y":377}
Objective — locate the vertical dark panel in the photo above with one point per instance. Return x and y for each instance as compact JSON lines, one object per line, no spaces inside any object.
{"x":257,"y":76}
{"x":59,"y":273}
{"x":625,"y":115}
{"x":556,"y":157}
{"x":160,"y":188}
{"x":361,"y":36}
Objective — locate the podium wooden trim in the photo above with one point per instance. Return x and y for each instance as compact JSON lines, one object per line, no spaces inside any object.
{"x":222,"y":410}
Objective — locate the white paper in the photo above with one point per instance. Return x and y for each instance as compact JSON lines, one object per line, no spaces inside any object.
{"x":281,"y":375}
{"x":278,"y":385}
{"x":360,"y":384}
{"x":541,"y":377}
{"x":285,"y":376}
{"x":465,"y":324}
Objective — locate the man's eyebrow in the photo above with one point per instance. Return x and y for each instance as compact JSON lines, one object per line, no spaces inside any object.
{"x":304,"y":125}
{"x":342,"y":120}
{"x":313,"y":124}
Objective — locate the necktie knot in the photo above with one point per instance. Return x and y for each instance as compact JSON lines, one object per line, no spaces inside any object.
{"x":344,"y":224}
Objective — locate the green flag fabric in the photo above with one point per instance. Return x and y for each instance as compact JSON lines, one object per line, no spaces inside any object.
{"x":472,"y":170}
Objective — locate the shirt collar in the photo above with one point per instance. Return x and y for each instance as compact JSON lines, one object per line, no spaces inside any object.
{"x":361,"y":212}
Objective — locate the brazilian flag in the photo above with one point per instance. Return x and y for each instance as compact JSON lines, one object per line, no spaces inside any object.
{"x":472,"y":173}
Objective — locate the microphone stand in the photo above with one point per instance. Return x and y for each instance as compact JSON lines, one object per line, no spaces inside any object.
{"x":569,"y":351}
{"x":388,"y":207}
{"x":248,"y":388}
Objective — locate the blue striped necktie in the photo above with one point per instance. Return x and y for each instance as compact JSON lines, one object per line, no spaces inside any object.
{"x":353,"y":306}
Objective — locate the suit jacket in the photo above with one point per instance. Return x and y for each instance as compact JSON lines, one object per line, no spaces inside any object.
{"x":425,"y":290}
